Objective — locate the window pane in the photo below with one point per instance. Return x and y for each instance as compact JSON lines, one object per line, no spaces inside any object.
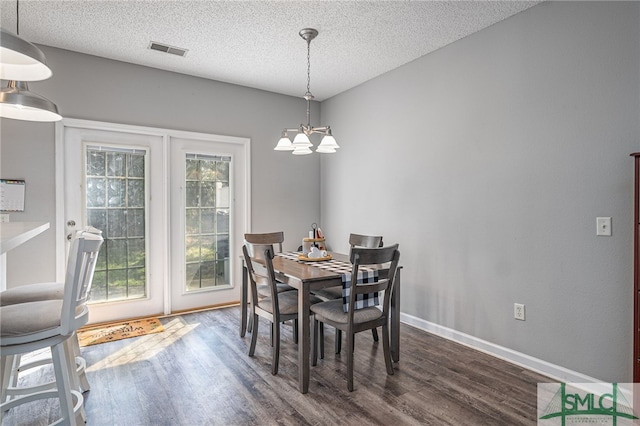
{"x":206,"y":221}
{"x":192,"y":194}
{"x":116,"y":164}
{"x":116,"y":192}
{"x":116,"y":223}
{"x":208,"y":194}
{"x":95,"y":163}
{"x":96,"y":192}
{"x":192,"y":171}
{"x":136,"y":166}
{"x":136,"y":253}
{"x":222,"y":195}
{"x":193,"y":249}
{"x":192,"y":220}
{"x":135,"y":193}
{"x":222,"y":221}
{"x":223,"y":171}
{"x":116,"y":204}
{"x":97,"y":218}
{"x":135,"y":223}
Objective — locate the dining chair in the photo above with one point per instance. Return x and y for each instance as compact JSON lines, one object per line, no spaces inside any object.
{"x":31,"y":326}
{"x":35,"y":293}
{"x":277,"y":307}
{"x":332,"y":293}
{"x":257,"y":244}
{"x":356,"y":320}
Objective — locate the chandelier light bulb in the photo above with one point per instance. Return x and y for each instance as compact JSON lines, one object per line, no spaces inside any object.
{"x":302,"y":151}
{"x":284,"y":144}
{"x":301,"y":141}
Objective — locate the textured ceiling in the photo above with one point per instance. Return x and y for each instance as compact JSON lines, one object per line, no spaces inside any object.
{"x":256,"y":43}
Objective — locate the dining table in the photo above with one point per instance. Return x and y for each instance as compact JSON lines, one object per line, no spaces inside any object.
{"x":307,"y":277}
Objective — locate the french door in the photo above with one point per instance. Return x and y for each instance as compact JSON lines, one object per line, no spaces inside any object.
{"x":172,"y":208}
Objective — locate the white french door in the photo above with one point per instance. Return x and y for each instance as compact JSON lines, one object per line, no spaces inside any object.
{"x":172,"y":207}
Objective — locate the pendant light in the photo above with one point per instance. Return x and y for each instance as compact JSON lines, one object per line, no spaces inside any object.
{"x":21,"y":61}
{"x":301,"y":144}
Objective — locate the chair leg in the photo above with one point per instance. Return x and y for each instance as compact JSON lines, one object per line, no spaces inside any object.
{"x":276,"y":348}
{"x":338,"y":341}
{"x":254,"y":335}
{"x":374,"y":333}
{"x":321,"y":330}
{"x":250,"y":324}
{"x":84,"y":382}
{"x":315,"y":335}
{"x":6,"y":370}
{"x":350,"y":341}
{"x":386,"y":349}
{"x":64,"y":384}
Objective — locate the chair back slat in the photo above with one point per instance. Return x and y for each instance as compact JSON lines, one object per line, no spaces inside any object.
{"x":368,"y":241}
{"x":374,"y":256}
{"x":261,"y":273}
{"x":80,"y":267}
{"x":258,"y":243}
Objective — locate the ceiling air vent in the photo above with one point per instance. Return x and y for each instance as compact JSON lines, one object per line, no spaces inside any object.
{"x":168,"y":49}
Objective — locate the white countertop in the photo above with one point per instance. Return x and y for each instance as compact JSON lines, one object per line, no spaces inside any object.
{"x":12,"y":234}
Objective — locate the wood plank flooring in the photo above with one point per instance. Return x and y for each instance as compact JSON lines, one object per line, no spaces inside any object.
{"x":198,"y":372}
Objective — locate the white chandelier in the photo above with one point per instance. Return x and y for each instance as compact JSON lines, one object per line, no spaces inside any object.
{"x":301,"y":144}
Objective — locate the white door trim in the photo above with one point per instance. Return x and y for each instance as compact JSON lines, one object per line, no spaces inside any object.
{"x":166,"y":134}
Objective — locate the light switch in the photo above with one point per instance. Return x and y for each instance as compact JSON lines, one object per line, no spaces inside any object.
{"x":4,"y":217}
{"x":604,"y":226}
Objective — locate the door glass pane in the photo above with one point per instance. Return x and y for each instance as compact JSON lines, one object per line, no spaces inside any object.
{"x":206,"y":221}
{"x":116,"y":204}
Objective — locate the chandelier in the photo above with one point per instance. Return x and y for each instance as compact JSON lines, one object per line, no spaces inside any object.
{"x":301,"y":144}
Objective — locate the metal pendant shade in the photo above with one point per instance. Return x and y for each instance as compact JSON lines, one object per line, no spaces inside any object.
{"x":17,"y":102}
{"x":21,"y":60}
{"x":301,"y":144}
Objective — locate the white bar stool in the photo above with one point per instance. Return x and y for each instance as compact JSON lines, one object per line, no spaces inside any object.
{"x":31,"y":326}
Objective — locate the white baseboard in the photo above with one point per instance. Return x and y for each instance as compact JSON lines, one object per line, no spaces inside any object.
{"x":545,"y":368}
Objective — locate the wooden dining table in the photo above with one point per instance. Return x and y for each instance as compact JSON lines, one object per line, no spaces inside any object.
{"x":305,"y":277}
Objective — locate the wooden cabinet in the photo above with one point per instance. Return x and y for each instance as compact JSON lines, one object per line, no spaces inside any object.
{"x":636,"y":270}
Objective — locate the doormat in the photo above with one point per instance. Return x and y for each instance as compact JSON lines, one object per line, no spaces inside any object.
{"x":118,"y":331}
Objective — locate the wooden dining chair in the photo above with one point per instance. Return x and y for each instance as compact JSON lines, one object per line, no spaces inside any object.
{"x":277,"y":307}
{"x":332,"y":293}
{"x":354,"y":321}
{"x":256,"y":245}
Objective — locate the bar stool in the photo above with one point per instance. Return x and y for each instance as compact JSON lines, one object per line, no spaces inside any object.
{"x":35,"y":293}
{"x":53,"y":327}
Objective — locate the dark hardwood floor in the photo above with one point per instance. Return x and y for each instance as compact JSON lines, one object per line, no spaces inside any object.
{"x":197,"y":372}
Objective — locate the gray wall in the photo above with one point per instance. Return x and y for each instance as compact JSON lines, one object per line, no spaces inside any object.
{"x":92,"y":88}
{"x":489,"y":161}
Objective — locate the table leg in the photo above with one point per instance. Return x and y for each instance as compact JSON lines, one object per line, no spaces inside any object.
{"x":304,"y":339}
{"x":243,"y":300}
{"x":395,"y":318}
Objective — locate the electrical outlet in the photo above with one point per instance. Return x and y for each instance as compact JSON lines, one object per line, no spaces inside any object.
{"x":518,"y":311}
{"x":4,"y":217}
